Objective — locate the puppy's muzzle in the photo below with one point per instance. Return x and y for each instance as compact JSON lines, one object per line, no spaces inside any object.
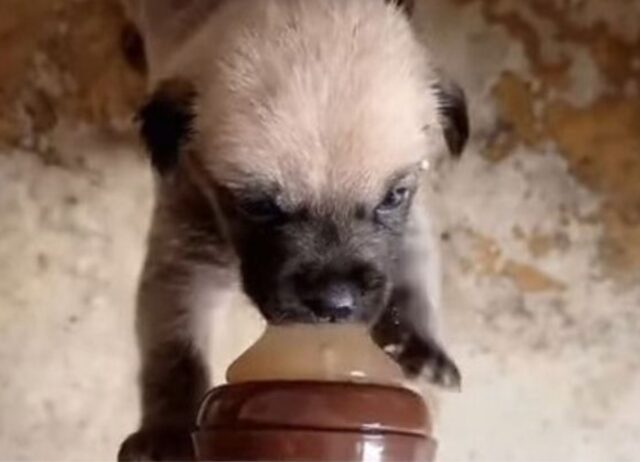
{"x":337,"y":296}
{"x":336,"y":300}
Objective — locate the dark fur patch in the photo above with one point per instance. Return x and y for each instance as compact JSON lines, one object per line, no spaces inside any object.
{"x":167,"y":123}
{"x":453,"y":113}
{"x":285,"y":263}
{"x":132,"y":46}
{"x":406,"y":5}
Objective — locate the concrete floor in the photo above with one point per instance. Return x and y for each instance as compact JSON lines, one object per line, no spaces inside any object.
{"x":540,"y":228}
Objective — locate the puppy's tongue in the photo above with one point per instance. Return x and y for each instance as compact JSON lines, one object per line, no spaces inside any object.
{"x":331,"y":352}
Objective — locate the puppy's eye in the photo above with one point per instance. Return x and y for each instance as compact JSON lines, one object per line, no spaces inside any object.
{"x":395,"y":198}
{"x":261,"y":210}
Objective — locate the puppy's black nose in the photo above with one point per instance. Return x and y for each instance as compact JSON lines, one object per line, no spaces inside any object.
{"x":336,"y":300}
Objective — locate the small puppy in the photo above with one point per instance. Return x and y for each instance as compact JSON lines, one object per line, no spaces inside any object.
{"x":288,"y":139}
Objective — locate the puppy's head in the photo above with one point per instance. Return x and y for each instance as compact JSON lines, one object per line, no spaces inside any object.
{"x":309,"y":128}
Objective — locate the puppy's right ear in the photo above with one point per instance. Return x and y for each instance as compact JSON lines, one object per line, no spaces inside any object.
{"x":454,"y":118}
{"x":166,"y":122}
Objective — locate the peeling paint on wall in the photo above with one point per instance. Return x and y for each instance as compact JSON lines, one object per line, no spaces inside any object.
{"x":62,"y":61}
{"x":542,"y":228}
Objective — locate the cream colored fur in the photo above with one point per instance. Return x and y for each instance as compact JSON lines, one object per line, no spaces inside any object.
{"x":338,"y":101}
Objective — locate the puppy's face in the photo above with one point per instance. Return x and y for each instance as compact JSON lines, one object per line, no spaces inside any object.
{"x":329,"y":258}
{"x":310,"y":136}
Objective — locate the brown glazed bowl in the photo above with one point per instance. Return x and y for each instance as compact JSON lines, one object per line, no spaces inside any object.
{"x":313,"y":421}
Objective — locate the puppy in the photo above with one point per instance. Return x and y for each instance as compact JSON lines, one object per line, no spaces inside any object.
{"x":288,"y":138}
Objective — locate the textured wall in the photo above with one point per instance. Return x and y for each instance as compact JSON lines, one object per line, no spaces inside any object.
{"x":543,"y":228}
{"x":540,"y":228}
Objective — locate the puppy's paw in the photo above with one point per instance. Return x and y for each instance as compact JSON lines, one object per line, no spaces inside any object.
{"x":157,"y":444}
{"x":428,"y":360}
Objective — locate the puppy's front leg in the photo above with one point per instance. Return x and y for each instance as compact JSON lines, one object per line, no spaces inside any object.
{"x":408,"y":328}
{"x":186,"y":272}
{"x":414,"y":347}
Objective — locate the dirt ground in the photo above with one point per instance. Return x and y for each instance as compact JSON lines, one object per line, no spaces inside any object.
{"x":540,"y":227}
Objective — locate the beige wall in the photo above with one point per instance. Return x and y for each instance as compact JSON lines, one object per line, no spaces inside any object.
{"x":540,"y":228}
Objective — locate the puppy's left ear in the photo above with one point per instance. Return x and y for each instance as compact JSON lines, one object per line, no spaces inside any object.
{"x":166,"y":122}
{"x":452,"y":107}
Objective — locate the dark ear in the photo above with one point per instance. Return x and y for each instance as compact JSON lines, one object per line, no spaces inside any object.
{"x":406,"y":5}
{"x":452,"y":105}
{"x":166,"y":122}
